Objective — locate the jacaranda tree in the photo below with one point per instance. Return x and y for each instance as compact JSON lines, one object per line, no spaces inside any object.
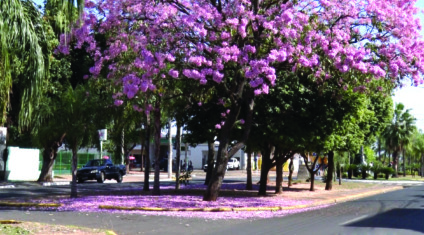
{"x":242,"y":46}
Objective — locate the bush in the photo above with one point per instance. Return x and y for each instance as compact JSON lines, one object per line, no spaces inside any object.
{"x":376,"y":169}
{"x":352,"y":169}
{"x":364,"y":168}
{"x":387,"y":171}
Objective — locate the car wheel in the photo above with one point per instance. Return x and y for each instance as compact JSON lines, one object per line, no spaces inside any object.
{"x":238,"y":167}
{"x":119,"y":178}
{"x":80,"y":181}
{"x":101,"y":178}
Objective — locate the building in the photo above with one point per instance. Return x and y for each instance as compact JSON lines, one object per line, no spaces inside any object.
{"x":197,"y":155}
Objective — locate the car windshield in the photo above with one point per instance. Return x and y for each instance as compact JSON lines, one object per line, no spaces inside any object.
{"x":99,"y":162}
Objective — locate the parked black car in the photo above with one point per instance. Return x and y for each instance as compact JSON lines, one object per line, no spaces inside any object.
{"x":100,"y":170}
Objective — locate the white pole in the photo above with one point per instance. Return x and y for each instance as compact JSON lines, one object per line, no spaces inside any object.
{"x":101,"y":149}
{"x":169,"y":150}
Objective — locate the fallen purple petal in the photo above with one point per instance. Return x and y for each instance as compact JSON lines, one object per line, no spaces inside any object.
{"x":92,"y":203}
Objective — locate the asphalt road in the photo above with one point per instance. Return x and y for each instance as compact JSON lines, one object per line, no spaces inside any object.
{"x":398,"y":212}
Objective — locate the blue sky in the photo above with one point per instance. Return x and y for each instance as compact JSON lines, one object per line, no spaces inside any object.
{"x":411,"y":97}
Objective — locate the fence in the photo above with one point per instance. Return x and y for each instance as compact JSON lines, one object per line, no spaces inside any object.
{"x":62,"y":164}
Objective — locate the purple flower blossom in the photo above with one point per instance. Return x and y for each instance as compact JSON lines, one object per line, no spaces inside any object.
{"x":173,"y":73}
{"x":118,"y":102}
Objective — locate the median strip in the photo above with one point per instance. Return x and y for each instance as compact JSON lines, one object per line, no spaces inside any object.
{"x":237,"y":209}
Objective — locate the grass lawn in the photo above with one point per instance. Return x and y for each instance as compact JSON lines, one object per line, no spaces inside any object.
{"x":16,"y":227}
{"x":400,"y":178}
{"x":408,"y":177}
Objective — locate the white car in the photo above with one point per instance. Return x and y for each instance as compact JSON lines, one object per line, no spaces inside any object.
{"x":233,"y":164}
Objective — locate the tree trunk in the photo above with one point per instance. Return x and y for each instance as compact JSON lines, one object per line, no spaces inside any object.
{"x":178,"y":157}
{"x":147,"y":155}
{"x":49,"y":156}
{"x":330,"y":171}
{"x":157,"y":129}
{"x":312,"y":188}
{"x":395,"y":163}
{"x":170,"y":150}
{"x":403,"y":163}
{"x":310,"y":170}
{"x":340,"y":175}
{"x":266,"y":165}
{"x":249,"y":185}
{"x":127,"y":156}
{"x":142,"y":155}
{"x":122,"y":152}
{"x":291,"y":169}
{"x":279,"y":176}
{"x":422,"y":165}
{"x":224,"y":137}
{"x":211,"y":155}
{"x":5,"y":157}
{"x":384,"y":159}
{"x":218,"y":174}
{"x":74,"y":166}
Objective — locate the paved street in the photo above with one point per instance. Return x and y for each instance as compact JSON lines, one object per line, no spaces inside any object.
{"x":398,"y":212}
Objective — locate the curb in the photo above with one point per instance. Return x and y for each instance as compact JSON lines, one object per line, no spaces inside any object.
{"x":7,"y":186}
{"x":277,"y":208}
{"x":56,"y":183}
{"x":29,"y":204}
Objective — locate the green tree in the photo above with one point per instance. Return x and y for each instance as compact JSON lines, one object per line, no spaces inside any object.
{"x":22,"y":43}
{"x":398,"y":133}
{"x":78,"y":118}
{"x":418,"y":147}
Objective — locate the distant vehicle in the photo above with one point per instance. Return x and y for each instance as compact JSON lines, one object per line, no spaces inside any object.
{"x":100,"y":170}
{"x":233,"y":164}
{"x":205,"y":167}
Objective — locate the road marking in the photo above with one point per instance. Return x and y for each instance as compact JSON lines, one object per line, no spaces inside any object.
{"x":353,"y":220}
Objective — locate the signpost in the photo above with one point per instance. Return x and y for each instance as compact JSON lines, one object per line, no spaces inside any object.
{"x":102,"y":136}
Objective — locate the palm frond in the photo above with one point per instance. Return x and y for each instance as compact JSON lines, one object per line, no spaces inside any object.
{"x":19,"y":22}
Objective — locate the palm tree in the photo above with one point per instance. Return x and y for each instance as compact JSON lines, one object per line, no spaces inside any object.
{"x":21,"y":44}
{"x":397,"y":134}
{"x":418,"y":147}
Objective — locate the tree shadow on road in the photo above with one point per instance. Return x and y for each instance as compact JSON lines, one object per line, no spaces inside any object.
{"x":409,"y":219}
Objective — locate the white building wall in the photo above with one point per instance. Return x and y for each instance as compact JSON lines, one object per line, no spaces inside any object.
{"x":199,"y":155}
